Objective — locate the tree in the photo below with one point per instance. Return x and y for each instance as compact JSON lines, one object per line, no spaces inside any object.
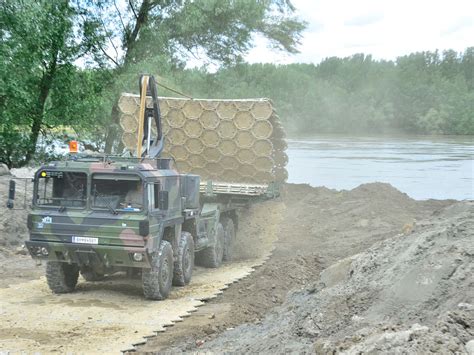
{"x":41,"y":87}
{"x":176,"y":31}
{"x":48,"y":46}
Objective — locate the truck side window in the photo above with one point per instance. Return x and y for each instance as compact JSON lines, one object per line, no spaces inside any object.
{"x":156,"y":190}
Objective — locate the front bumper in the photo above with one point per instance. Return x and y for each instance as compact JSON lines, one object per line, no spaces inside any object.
{"x":87,"y":255}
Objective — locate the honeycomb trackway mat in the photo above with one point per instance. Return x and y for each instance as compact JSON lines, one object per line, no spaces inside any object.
{"x":221,"y":140}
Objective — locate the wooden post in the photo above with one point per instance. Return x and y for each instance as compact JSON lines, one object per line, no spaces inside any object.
{"x":141,"y":117}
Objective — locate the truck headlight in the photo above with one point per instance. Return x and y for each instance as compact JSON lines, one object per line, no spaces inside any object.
{"x":137,"y":257}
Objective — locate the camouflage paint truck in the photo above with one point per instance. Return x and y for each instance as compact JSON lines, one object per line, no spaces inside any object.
{"x":96,"y":215}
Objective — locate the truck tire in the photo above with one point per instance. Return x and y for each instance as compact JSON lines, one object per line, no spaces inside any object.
{"x":213,"y":255}
{"x":91,"y":275}
{"x":61,"y":277}
{"x":157,"y":279}
{"x":183,"y":266}
{"x":229,"y":233}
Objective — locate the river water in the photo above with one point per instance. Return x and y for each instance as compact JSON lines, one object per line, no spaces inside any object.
{"x":424,"y":168}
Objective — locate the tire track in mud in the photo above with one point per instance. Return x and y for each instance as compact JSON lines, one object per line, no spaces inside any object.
{"x":112,"y":316}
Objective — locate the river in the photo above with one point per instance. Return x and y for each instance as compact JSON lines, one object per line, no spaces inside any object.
{"x":422,"y":167}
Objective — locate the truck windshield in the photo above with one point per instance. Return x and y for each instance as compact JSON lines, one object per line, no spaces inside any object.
{"x":117,"y":193}
{"x":61,"y":189}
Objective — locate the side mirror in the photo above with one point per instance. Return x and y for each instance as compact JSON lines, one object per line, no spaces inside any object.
{"x":163,"y":200}
{"x":11,"y":194}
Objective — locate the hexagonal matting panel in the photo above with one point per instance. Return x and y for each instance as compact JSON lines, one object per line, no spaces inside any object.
{"x":128,"y":123}
{"x":127,"y":104}
{"x":194,"y":146}
{"x":226,"y":130}
{"x":262,"y":110}
{"x":192,"y":109}
{"x":212,"y":155}
{"x":244,"y":120}
{"x":209,"y":120}
{"x":262,"y":130}
{"x":228,"y":147}
{"x":209,"y":105}
{"x":193,"y":128}
{"x":178,"y":152}
{"x":176,"y":118}
{"x":229,"y":140}
{"x":210,"y":139}
{"x":177,"y":136}
{"x":262,"y":148}
{"x":226,"y":110}
{"x":197,"y":161}
{"x":245,"y":156}
{"x":175,"y":103}
{"x":244,"y":139}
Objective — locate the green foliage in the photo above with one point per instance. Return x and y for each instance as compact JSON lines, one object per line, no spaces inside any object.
{"x":173,"y":32}
{"x":41,"y":86}
{"x":422,"y":93}
{"x":211,"y":30}
{"x":60,"y":55}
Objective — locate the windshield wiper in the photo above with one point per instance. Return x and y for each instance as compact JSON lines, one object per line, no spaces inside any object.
{"x":109,"y":206}
{"x":107,"y":203}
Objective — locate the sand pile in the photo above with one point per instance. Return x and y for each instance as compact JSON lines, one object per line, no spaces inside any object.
{"x":412,"y":292}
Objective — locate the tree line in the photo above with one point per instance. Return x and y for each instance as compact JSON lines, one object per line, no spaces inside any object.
{"x":64,"y":65}
{"x":421,"y":93}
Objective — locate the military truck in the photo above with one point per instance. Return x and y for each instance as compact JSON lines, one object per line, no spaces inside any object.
{"x":97,"y":215}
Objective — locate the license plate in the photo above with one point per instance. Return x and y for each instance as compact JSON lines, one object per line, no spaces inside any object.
{"x":85,"y":240}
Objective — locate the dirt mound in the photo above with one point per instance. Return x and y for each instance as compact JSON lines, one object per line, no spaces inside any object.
{"x":347,"y":222}
{"x":407,"y":293}
{"x":320,"y":226}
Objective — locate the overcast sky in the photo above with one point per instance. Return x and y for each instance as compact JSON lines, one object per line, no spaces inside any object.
{"x":384,"y":28}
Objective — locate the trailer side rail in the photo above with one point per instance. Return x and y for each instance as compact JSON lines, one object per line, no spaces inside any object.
{"x":211,"y":188}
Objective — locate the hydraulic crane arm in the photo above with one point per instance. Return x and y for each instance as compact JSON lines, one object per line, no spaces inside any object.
{"x":152,"y":145}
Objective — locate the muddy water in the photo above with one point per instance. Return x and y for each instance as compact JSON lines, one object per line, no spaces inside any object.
{"x":424,"y":168}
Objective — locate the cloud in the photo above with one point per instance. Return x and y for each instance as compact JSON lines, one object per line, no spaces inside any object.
{"x":385,"y":29}
{"x":364,"y":20}
{"x":460,"y":24}
{"x":314,"y":26}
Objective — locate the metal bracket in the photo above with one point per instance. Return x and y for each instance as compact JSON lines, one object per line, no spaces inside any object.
{"x":209,"y":189}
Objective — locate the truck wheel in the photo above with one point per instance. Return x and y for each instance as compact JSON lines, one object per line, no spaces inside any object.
{"x":157,"y":279}
{"x":91,"y":275}
{"x":61,"y":277}
{"x":183,"y":267}
{"x":229,"y":233}
{"x":212,"y":256}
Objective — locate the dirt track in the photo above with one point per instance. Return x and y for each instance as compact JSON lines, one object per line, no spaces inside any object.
{"x":316,"y":228}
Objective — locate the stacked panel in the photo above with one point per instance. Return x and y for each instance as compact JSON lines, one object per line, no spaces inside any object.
{"x":221,"y":140}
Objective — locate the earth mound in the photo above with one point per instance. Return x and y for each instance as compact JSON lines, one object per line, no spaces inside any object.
{"x":412,"y":292}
